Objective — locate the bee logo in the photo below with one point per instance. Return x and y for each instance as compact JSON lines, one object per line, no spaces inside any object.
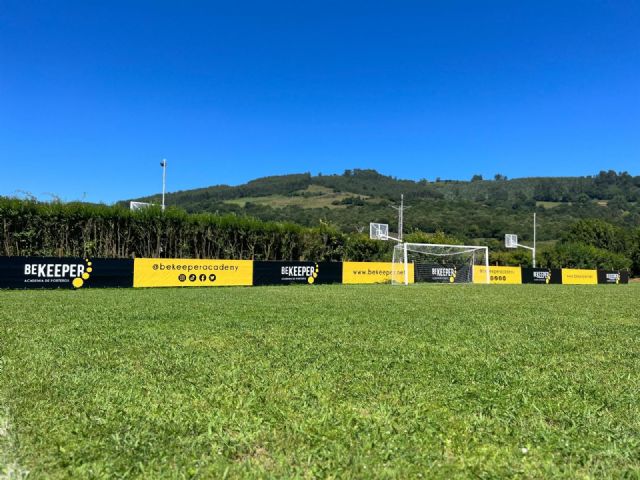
{"x":312,"y":278}
{"x":78,"y":282}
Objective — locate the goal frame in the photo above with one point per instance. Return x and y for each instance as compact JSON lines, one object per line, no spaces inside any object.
{"x":407,"y":245}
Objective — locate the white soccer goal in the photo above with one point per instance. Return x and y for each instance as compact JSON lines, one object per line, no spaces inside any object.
{"x":440,"y":263}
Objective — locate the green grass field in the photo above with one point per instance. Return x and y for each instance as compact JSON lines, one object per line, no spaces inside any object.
{"x":377,"y":381}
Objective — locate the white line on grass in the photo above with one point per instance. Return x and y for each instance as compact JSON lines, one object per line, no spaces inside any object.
{"x":9,"y":469}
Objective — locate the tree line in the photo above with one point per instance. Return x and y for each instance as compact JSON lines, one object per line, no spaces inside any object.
{"x":31,"y":228}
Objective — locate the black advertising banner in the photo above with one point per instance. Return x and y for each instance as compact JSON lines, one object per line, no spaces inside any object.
{"x":437,"y":273}
{"x":53,"y":272}
{"x":613,"y":276}
{"x":286,"y":273}
{"x":543,"y":276}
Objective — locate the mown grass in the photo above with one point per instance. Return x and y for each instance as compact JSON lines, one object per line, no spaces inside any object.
{"x":324,"y":381}
{"x":317,"y":197}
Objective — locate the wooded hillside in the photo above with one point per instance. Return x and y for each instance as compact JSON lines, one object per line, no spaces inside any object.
{"x":477,"y":209}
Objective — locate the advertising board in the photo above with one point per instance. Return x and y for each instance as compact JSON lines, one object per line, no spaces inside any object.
{"x":166,"y":272}
{"x":286,"y":273}
{"x":497,"y":275}
{"x":373,"y":272}
{"x":613,"y":277}
{"x":54,"y":272}
{"x":542,"y":276}
{"x":575,"y":276}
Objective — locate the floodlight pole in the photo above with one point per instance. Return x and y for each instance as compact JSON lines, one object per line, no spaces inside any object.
{"x":163,"y":164}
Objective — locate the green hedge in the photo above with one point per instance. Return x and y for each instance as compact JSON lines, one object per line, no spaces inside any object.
{"x":75,"y":229}
{"x":28,"y":227}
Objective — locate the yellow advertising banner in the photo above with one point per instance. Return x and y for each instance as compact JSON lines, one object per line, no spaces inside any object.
{"x":167,"y":272}
{"x":574,"y":276}
{"x":373,"y":272}
{"x":497,"y":275}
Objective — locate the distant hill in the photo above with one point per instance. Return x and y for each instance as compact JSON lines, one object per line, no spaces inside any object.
{"x":476,"y":209}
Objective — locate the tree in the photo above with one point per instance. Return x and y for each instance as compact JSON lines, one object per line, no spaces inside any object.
{"x":580,"y":255}
{"x":438,"y":237}
{"x":583,"y":199}
{"x":599,"y":234}
{"x":635,"y":251}
{"x":617,"y":204}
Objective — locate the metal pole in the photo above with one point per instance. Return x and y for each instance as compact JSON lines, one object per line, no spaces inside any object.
{"x":164,"y":179}
{"x":406,"y":266}
{"x":486,"y":265}
{"x":534,"y":239}
{"x":400,"y":215}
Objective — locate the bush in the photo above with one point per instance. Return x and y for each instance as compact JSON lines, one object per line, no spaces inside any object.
{"x":600,"y":234}
{"x":438,"y":237}
{"x":28,"y":228}
{"x":360,"y":248}
{"x":518,"y":257}
{"x":580,"y":255}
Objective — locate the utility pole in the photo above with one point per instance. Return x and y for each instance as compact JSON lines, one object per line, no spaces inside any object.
{"x":163,"y":164}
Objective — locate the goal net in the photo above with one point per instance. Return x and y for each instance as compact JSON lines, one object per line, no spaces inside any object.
{"x":439,"y":263}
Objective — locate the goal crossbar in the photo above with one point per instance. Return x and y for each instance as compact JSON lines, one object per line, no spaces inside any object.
{"x":471,"y":247}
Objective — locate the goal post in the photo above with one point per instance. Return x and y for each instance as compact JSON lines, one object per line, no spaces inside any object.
{"x":439,"y":263}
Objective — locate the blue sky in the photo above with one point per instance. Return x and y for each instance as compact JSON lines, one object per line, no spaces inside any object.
{"x":94,"y":94}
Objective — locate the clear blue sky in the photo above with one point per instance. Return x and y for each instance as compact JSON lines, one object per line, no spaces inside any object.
{"x":94,"y":94}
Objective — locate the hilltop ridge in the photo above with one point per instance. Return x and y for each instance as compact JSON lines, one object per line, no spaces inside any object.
{"x":477,"y":208}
